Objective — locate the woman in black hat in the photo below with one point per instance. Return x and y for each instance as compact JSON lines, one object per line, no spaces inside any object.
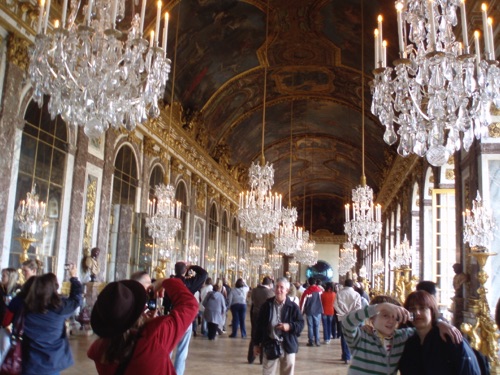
{"x":133,"y":340}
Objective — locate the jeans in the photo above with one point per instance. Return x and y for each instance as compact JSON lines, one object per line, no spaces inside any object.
{"x":327,"y":326}
{"x":313,"y":328}
{"x":238,"y":311}
{"x":346,"y":354}
{"x":335,"y":327}
{"x":212,"y":330}
{"x":181,"y":352}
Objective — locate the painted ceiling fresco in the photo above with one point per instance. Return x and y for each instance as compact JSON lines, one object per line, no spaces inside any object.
{"x":313,"y":92}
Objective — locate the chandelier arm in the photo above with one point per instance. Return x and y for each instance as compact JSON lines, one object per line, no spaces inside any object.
{"x":415,"y":105}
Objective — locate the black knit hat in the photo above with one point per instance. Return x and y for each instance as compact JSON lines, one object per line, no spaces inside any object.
{"x":118,"y":307}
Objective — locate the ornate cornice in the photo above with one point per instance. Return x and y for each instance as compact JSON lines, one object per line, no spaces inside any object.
{"x":401,"y":169}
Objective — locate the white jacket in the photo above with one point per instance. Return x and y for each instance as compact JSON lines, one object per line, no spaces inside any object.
{"x":347,"y":300}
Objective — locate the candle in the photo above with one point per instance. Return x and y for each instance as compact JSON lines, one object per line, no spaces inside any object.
{"x":399,"y":9}
{"x":377,"y":49}
{"x":460,"y":48}
{"x":432,"y":24}
{"x":465,"y":37}
{"x":384,"y":53}
{"x":158,"y":18}
{"x":478,"y":51}
{"x":484,"y":9}
{"x":56,"y":24}
{"x":490,"y":35}
{"x":379,"y":19}
{"x":89,"y":12}
{"x":63,"y":14}
{"x":143,"y":14}
{"x":346,"y":213}
{"x":40,"y":16}
{"x":47,"y":12}
{"x":151,"y":38}
{"x":165,"y":33}
{"x":114,"y":9}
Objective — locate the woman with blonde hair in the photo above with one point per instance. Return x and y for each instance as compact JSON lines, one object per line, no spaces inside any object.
{"x":10,"y":287}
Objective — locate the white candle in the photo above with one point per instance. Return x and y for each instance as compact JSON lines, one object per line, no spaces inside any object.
{"x":432,"y":24}
{"x":490,"y":35}
{"x":89,"y":12}
{"x":151,"y":38}
{"x":478,"y":51}
{"x":56,"y":24}
{"x":377,"y":49}
{"x":63,"y":15}
{"x":47,"y":12}
{"x":165,"y":33}
{"x":346,"y":213}
{"x":399,"y":10}
{"x":465,"y":37}
{"x":484,"y":9}
{"x":143,"y":14}
{"x":114,"y":9}
{"x":158,"y":18}
{"x":384,"y":53}
{"x":40,"y":16}
{"x":379,"y":19}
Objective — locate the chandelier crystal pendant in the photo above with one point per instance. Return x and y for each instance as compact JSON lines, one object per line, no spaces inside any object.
{"x":307,"y":255}
{"x":97,"y":76}
{"x":439,"y":92}
{"x":478,"y":224}
{"x":164,"y":214}
{"x":378,"y":267}
{"x":257,"y":253}
{"x":288,"y":237}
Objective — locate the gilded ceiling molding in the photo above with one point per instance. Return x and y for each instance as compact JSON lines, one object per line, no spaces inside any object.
{"x":22,"y":14}
{"x":395,"y":179}
{"x":329,"y":238}
{"x":150,"y":147}
{"x":17,"y":52}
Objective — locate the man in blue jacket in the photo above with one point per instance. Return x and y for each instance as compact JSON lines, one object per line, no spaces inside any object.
{"x":279,"y":324}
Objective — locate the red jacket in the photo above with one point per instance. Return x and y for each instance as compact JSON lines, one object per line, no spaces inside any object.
{"x":328,"y":299}
{"x":158,"y":337}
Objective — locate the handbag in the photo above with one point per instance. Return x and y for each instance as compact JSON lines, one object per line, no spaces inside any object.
{"x":12,"y":363}
{"x":272,"y":349}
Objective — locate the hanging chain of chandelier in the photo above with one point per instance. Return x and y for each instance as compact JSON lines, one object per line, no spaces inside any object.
{"x":96,"y":75}
{"x":441,"y":90}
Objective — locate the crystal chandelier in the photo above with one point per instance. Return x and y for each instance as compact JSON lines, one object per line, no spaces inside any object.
{"x":275,"y":261}
{"x":96,"y":75}
{"x":257,"y":253}
{"x":30,"y":214}
{"x":231,"y":263}
{"x":365,"y":227}
{"x":266,"y":269}
{"x":307,"y":255}
{"x":288,"y":237}
{"x":259,"y":210}
{"x":193,"y":253}
{"x":378,"y":267}
{"x":478,"y":224}
{"x":293,"y":267}
{"x":164,"y":214}
{"x":348,"y":258}
{"x":401,"y":255}
{"x":439,"y":91}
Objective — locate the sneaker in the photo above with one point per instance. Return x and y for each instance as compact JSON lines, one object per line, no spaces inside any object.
{"x":347,"y":362}
{"x":327,"y":342}
{"x":317,"y":343}
{"x":309,"y":344}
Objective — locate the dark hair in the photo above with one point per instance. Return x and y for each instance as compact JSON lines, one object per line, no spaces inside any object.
{"x":311,"y":281}
{"x":267,"y":280}
{"x":381,"y":299}
{"x":215,"y":288}
{"x":26,"y":287}
{"x":348,"y":282}
{"x":329,"y":287}
{"x":428,"y":286}
{"x":43,"y":296}
{"x":497,"y":313}
{"x":180,"y":269}
{"x":239,"y":283}
{"x":423,"y":299}
{"x":209,"y":281}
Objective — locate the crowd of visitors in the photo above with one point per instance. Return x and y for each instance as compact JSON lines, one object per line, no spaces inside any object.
{"x":145,"y":325}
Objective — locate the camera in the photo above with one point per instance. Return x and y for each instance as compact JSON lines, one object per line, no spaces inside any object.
{"x":151,"y":300}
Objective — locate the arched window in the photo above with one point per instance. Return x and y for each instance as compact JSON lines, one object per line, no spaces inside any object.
{"x":125,"y":185}
{"x":42,"y":162}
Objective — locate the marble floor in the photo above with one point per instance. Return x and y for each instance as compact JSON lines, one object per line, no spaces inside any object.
{"x":228,"y":355}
